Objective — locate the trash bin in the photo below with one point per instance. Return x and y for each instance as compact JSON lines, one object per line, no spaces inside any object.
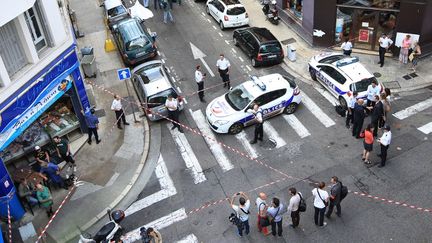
{"x":89,"y":66}
{"x":291,"y":50}
{"x":87,"y":50}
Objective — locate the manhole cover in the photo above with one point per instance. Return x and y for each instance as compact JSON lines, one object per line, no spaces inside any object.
{"x":288,"y":41}
{"x":406,"y":77}
{"x":392,"y":85}
{"x":377,"y":75}
{"x":413,"y":75}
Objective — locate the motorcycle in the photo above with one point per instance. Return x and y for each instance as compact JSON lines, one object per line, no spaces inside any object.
{"x":271,"y":12}
{"x":110,"y":231}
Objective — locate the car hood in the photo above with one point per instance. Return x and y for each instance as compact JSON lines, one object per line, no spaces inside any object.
{"x":220,"y":108}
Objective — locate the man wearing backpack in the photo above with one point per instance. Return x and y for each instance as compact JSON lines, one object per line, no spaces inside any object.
{"x":335,"y":197}
{"x":242,"y":212}
{"x":293,"y":207}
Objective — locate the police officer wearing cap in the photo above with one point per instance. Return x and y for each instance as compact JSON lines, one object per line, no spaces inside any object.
{"x":258,"y":116}
{"x":384,"y":141}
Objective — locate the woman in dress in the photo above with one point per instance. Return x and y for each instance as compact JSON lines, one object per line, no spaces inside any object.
{"x":415,"y":55}
{"x":406,"y":45}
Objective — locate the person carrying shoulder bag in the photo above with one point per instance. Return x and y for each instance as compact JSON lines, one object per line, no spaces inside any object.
{"x":320,"y":204}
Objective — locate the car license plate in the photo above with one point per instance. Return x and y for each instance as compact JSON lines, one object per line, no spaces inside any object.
{"x":140,"y":54}
{"x":162,"y":109}
{"x":272,"y":56}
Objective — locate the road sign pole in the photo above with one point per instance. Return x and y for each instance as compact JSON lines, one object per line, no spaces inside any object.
{"x":133,"y":103}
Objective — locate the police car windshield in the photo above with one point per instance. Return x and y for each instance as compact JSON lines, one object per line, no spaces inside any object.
{"x":239,"y":98}
{"x":362,"y":85}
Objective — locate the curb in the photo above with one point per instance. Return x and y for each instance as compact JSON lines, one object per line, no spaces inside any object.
{"x":125,"y":191}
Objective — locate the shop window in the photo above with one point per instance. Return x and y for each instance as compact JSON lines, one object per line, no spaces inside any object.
{"x":11,"y":50}
{"x":296,"y":7}
{"x":384,"y":4}
{"x":35,"y":26}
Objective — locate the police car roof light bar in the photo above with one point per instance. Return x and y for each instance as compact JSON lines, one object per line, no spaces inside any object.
{"x":347,"y":61}
{"x":258,"y":82}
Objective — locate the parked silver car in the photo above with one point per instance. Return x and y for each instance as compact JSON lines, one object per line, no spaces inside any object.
{"x":114,"y":12}
{"x":152,"y":83}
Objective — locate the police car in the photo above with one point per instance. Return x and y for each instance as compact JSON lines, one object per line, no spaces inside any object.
{"x":341,"y":75}
{"x":274,"y":94}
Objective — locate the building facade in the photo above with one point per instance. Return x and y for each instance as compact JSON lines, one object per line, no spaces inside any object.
{"x":361,"y":21}
{"x":41,"y":87}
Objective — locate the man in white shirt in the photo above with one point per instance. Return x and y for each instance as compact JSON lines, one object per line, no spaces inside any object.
{"x":223,"y":66}
{"x":320,"y":202}
{"x":372,"y":91}
{"x":262,"y":212}
{"x":117,"y":107}
{"x":347,"y":47}
{"x":259,"y":131}
{"x":351,"y":103}
{"x":199,"y":78}
{"x":242,"y":211}
{"x":385,"y":44}
{"x":293,"y":207}
{"x":275,"y":212}
{"x":171,"y":104}
{"x":385,"y":141}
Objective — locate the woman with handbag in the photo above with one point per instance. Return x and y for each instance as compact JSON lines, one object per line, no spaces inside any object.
{"x":405,"y":46}
{"x":415,"y":55}
{"x":320,"y":204}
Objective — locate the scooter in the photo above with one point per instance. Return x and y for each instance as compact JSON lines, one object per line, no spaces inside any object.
{"x":271,"y":12}
{"x":110,"y":231}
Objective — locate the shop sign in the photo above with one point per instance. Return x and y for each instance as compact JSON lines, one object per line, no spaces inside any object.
{"x":44,"y":90}
{"x":363,"y":35}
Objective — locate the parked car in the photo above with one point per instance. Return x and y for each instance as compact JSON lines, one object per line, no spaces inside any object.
{"x":115,"y":11}
{"x":228,"y":13}
{"x":133,"y":41}
{"x":152,"y":83}
{"x":260,"y":45}
{"x":274,"y":93}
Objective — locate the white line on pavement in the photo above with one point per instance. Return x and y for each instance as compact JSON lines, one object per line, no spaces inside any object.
{"x":189,"y":239}
{"x":426,"y":129}
{"x":203,"y":14}
{"x":316,"y":111}
{"x":248,"y":68}
{"x":412,"y":110}
{"x":168,"y":70}
{"x":233,"y":50}
{"x":220,"y":34}
{"x":272,"y":133}
{"x":211,"y":141}
{"x":208,"y":20}
{"x":296,"y":125}
{"x":185,"y":101}
{"x":165,"y":221}
{"x":242,"y":137}
{"x":162,"y":60}
{"x":173,"y":79}
{"x":179,"y":90}
{"x":214,"y":27}
{"x":327,"y":95}
{"x":158,"y":52}
{"x":227,"y":42}
{"x":241,"y":59}
{"x":167,"y":189}
{"x":188,"y":155}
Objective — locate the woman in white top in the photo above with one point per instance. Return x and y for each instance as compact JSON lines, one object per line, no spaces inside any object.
{"x":320,"y":204}
{"x":347,"y":47}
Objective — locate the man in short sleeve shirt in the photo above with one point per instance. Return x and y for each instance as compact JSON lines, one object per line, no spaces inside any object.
{"x":223,"y":66}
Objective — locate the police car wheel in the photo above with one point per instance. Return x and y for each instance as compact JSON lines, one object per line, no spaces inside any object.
{"x":343,"y":102}
{"x":312,"y":74}
{"x":208,"y":10}
{"x":235,"y":128}
{"x":221,"y":25}
{"x":291,"y":108}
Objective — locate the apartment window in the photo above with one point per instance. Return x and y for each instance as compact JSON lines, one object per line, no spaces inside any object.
{"x":11,"y":50}
{"x":34,"y":23}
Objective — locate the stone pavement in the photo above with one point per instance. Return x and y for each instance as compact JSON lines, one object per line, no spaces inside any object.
{"x":394,"y":75}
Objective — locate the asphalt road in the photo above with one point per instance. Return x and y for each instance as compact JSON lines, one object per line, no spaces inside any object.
{"x":295,"y":162}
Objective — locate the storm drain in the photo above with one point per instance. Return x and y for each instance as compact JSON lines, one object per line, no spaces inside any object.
{"x":392,"y":85}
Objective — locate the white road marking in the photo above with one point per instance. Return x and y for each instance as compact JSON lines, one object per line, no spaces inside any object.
{"x":242,"y":137}
{"x":173,"y":79}
{"x":189,"y":239}
{"x":426,"y":129}
{"x":227,"y":42}
{"x":412,"y":110}
{"x":272,"y":133}
{"x":167,"y":189}
{"x":241,"y":59}
{"x":203,"y":14}
{"x":149,"y":30}
{"x":188,"y":155}
{"x":208,"y":20}
{"x":214,"y":27}
{"x":327,"y":95}
{"x":158,"y":53}
{"x":198,"y":54}
{"x":211,"y":141}
{"x":168,"y":70}
{"x":316,"y":111}
{"x":296,"y":125}
{"x":179,"y":90}
{"x":185,"y":101}
{"x":162,"y":60}
{"x":233,"y":50}
{"x":220,"y":34}
{"x":248,"y":68}
{"x":165,"y":221}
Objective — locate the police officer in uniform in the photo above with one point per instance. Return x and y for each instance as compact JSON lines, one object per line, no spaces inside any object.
{"x":259,"y":132}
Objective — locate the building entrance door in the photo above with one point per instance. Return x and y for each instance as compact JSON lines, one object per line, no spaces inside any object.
{"x":365,"y":24}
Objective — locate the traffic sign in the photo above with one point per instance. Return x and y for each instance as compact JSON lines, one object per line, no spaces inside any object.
{"x":123,"y":73}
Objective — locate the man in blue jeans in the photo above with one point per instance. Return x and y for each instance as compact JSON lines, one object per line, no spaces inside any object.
{"x":242,"y":211}
{"x":275,"y":212}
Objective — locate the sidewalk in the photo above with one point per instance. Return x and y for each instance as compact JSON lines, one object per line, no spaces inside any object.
{"x":393,"y":75}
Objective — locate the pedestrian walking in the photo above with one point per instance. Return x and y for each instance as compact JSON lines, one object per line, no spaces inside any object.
{"x":171,"y":104}
{"x":367,"y":144}
{"x":167,"y":6}
{"x":359,"y":115}
{"x":274,"y":212}
{"x":145,"y":3}
{"x":414,"y":57}
{"x":350,"y":110}
{"x":335,"y":197}
{"x":293,"y":207}
{"x":242,"y":211}
{"x":372,"y":91}
{"x":92,"y":125}
{"x":117,"y":107}
{"x":63,"y":151}
{"x":385,"y":44}
{"x":199,"y":78}
{"x":384,"y":141}
{"x":347,"y":47}
{"x":262,"y":212}
{"x":259,"y":121}
{"x":223,"y":66}
{"x":44,"y":197}
{"x":320,"y":204}
{"x":405,"y":46}
{"x":377,"y":113}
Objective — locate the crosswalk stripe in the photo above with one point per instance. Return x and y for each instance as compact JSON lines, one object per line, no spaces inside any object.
{"x":296,"y":125}
{"x":189,"y":239}
{"x":210,"y":139}
{"x":327,"y":95}
{"x":426,"y":129}
{"x":316,"y":111}
{"x":188,"y":155}
{"x":167,"y":189}
{"x":158,"y":224}
{"x":242,"y":137}
{"x":272,"y":133}
{"x":412,"y":110}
